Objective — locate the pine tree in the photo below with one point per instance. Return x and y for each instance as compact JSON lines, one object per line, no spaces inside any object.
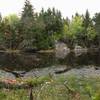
{"x":28,"y":14}
{"x":27,"y":25}
{"x":86,"y":21}
{"x":27,"y":18}
{"x":86,"y":24}
{"x":96,"y":20}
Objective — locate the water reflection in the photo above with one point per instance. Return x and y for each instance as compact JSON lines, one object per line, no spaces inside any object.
{"x":27,"y":62}
{"x":86,"y":58}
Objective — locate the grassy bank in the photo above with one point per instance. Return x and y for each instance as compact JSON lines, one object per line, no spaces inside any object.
{"x":55,"y":88}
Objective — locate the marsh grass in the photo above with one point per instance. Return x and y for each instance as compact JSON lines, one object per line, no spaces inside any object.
{"x":58,"y":88}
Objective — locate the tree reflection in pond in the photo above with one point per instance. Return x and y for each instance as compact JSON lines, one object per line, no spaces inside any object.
{"x":27,"y":62}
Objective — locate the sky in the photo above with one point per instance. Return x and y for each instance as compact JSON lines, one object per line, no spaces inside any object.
{"x":67,"y":7}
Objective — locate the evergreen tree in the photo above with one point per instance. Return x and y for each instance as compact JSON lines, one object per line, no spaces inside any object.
{"x":96,"y":20}
{"x":86,"y":20}
{"x":53,"y":26}
{"x":1,"y":31}
{"x":27,"y":25}
{"x":53,"y":21}
{"x":9,"y":31}
{"x":87,"y":23}
{"x":27,"y":15}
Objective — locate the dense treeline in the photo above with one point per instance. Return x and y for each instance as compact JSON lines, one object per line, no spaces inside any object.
{"x":41,"y":30}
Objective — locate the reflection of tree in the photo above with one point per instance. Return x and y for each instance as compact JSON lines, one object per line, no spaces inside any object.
{"x":68,"y":60}
{"x":26,"y":61}
{"x":82,"y":59}
{"x":8,"y":60}
{"x":71,"y":59}
{"x":87,"y":58}
{"x":47,"y":59}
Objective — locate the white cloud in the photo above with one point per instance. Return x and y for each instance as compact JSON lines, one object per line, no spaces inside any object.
{"x":67,"y":7}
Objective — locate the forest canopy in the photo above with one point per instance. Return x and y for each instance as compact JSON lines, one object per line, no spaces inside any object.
{"x":41,"y":30}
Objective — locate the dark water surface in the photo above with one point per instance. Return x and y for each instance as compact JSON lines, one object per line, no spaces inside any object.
{"x":27,"y":62}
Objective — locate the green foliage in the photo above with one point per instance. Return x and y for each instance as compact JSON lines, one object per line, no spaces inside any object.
{"x":53,"y":21}
{"x":13,"y":94}
{"x":41,"y":30}
{"x":76,"y":26}
{"x":27,"y":24}
{"x":91,"y":33}
{"x":52,"y":25}
{"x":86,"y":21}
{"x":38,"y":80}
{"x":9,"y":31}
{"x":61,"y":87}
{"x":73,"y":30}
{"x":96,"y":20}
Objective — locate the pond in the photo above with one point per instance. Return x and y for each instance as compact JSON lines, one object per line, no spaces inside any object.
{"x":47,"y":62}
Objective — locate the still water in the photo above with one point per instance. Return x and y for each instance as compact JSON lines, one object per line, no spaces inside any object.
{"x":28,"y":62}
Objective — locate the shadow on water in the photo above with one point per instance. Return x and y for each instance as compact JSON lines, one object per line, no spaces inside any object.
{"x":84,"y":59}
{"x":20,"y":62}
{"x":27,"y":62}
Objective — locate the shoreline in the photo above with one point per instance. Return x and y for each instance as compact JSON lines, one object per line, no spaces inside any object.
{"x":48,"y":50}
